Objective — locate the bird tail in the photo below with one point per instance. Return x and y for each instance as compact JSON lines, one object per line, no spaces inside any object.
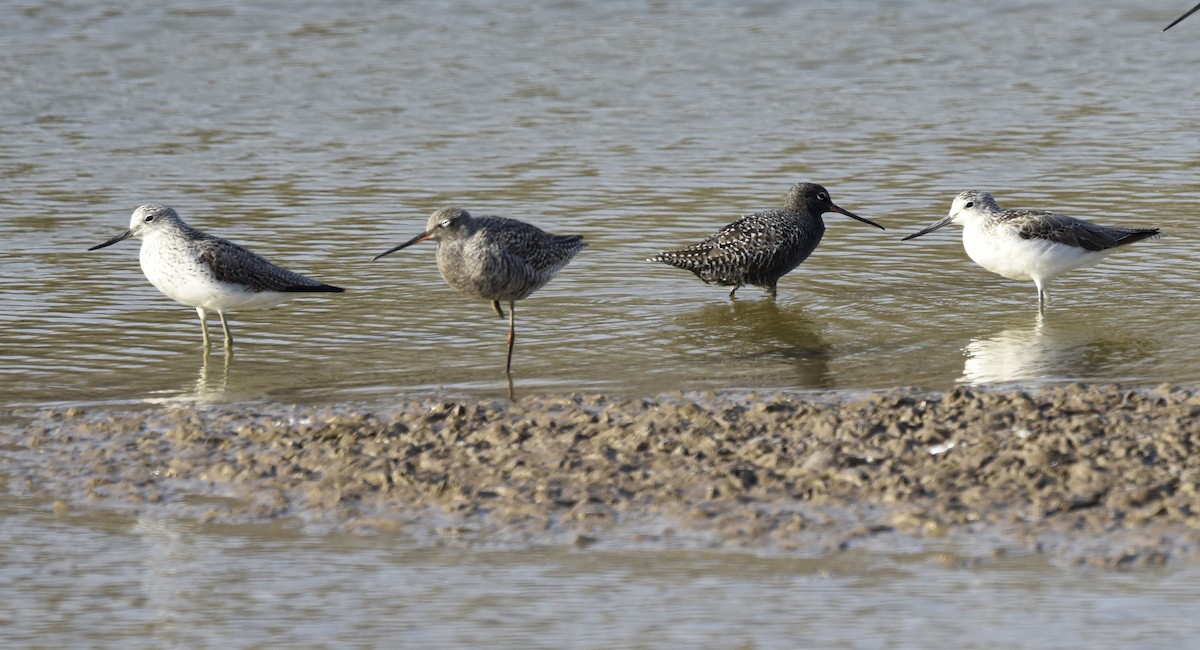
{"x":1138,"y":234}
{"x":688,"y":258}
{"x":319,"y":288}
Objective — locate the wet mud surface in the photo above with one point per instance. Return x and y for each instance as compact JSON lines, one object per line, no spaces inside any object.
{"x":1100,"y":475}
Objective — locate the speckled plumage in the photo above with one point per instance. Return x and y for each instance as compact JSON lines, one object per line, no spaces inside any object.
{"x":495,"y":258}
{"x":760,"y":248}
{"x":207,"y":272}
{"x":1031,"y":244}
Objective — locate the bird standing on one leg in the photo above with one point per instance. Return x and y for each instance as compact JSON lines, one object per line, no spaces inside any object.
{"x":495,"y":258}
{"x":760,"y":248}
{"x":207,"y":272}
{"x":1031,"y":244}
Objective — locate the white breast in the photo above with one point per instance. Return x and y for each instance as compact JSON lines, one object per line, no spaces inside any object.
{"x":174,"y":267}
{"x":1004,"y":252}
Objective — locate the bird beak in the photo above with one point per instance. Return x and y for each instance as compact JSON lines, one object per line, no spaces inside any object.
{"x":945,"y":221}
{"x":419,"y":238}
{"x":1177,"y":20}
{"x":850,"y":214}
{"x":121,"y":237}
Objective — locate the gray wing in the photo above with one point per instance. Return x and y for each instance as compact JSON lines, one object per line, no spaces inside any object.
{"x":1033,"y":224}
{"x":237,"y":265}
{"x":542,"y":251}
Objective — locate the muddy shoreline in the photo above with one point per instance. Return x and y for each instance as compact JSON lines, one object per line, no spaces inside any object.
{"x":1102,"y":475}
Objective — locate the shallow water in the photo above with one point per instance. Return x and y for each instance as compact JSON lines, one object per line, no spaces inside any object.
{"x":188,"y":585}
{"x":323,"y":133}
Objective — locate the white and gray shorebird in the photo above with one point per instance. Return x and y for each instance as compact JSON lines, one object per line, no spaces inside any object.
{"x":495,"y":258}
{"x":207,"y":272}
{"x":760,"y":248}
{"x":1031,"y":244}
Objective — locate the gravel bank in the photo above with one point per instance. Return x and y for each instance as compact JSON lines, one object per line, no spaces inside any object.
{"x":1092,"y":474}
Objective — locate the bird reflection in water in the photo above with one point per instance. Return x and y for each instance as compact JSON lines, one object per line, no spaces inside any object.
{"x":210,"y":385}
{"x":1042,"y":351}
{"x":755,"y":338}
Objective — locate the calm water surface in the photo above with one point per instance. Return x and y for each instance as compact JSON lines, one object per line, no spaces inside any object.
{"x":323,"y":133}
{"x":156,"y":582}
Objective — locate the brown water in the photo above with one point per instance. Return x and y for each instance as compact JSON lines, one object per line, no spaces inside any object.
{"x":323,"y":134}
{"x":158,"y":582}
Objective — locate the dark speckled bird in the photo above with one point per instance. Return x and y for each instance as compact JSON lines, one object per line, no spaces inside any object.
{"x":760,"y":248}
{"x":494,"y":258}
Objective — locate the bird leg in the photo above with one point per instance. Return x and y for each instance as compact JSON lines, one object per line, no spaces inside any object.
{"x":512,"y":334}
{"x":731,"y":296}
{"x":1043,"y":297}
{"x":496,"y":306}
{"x":228,"y":336}
{"x":771,"y":291}
{"x":204,"y":329}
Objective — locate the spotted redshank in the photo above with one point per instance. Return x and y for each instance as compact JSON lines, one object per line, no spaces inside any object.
{"x":495,"y":258}
{"x":760,"y":248}
{"x":207,"y":272}
{"x":1031,"y":244}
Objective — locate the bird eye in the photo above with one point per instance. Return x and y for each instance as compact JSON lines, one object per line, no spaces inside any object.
{"x":149,"y":218}
{"x":822,"y":196}
{"x":970,"y":204}
{"x":445,"y":223}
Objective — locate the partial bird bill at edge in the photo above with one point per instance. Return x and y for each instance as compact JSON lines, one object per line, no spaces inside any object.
{"x":1180,"y":19}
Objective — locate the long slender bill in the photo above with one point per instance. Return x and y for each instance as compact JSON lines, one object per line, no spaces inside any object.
{"x":855,"y":216}
{"x":1180,"y":19}
{"x":930,"y":229}
{"x":121,"y":237}
{"x":419,"y":238}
